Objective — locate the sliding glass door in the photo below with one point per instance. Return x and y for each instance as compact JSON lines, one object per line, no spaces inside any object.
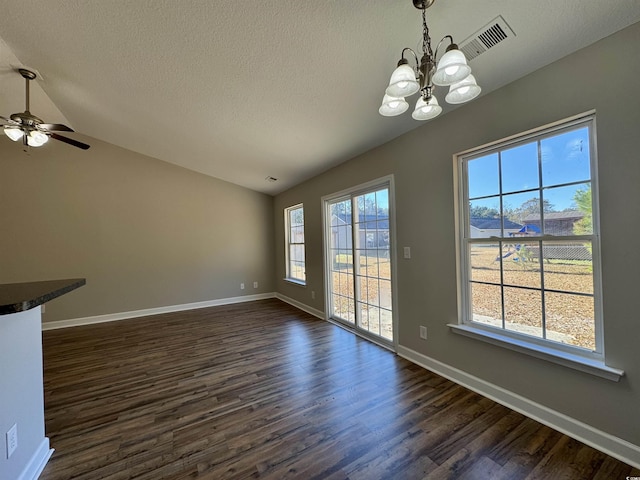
{"x":358,"y":245}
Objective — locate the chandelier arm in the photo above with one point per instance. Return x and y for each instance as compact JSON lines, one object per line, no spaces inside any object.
{"x":435,"y":57}
{"x":415,"y":56}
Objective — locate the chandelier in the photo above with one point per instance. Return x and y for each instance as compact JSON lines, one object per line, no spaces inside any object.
{"x":451,"y":71}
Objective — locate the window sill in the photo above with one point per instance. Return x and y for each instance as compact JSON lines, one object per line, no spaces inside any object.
{"x":587,"y":365}
{"x":295,"y":282}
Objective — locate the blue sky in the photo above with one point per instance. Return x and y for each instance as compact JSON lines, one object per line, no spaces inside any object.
{"x":564,"y":159}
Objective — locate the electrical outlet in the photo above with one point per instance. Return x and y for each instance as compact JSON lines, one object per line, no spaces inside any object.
{"x":423,"y":332}
{"x":12,"y":440}
{"x":242,"y":286}
{"x":407,"y":252}
{"x":313,"y":295}
{"x":255,"y":284}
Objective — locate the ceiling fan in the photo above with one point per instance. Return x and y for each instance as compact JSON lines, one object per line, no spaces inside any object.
{"x":32,"y":130}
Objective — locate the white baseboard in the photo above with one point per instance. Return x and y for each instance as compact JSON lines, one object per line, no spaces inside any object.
{"x":112,"y":317}
{"x":37,"y":462}
{"x":301,"y":306}
{"x":606,"y":443}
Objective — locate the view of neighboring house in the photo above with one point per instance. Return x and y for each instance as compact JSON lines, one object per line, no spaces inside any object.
{"x":482,"y":227}
{"x":555,"y":223}
{"x":559,"y":224}
{"x":373,"y":231}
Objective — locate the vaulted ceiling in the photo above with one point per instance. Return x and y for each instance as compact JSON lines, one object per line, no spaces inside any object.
{"x":246,"y":90}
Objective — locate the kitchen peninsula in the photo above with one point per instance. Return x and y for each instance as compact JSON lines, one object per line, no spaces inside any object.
{"x":24,"y":448}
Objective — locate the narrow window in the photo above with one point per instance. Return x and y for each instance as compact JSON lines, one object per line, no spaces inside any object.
{"x":294,"y":225}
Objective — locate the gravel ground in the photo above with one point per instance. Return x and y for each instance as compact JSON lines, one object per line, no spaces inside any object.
{"x":374,"y":292}
{"x":569,"y":317}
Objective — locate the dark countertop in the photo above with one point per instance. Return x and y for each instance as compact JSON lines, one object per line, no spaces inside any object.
{"x":18,"y":297}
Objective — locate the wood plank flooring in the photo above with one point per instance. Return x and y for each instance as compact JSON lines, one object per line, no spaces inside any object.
{"x":263,"y":390}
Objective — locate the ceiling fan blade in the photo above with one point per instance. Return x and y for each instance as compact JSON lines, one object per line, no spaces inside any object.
{"x":70,"y":141}
{"x":8,"y":121}
{"x":55,"y":127}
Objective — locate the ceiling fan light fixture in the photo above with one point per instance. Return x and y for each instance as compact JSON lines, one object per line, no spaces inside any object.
{"x":14,"y":133}
{"x":31,"y":129}
{"x":36,"y":138}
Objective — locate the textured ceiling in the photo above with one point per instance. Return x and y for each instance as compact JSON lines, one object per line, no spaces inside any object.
{"x":245,"y":90}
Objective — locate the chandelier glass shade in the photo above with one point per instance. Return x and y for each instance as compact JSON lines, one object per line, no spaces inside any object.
{"x":463,"y":91}
{"x":392,"y":106}
{"x":450,"y":71}
{"x":426,"y":110}
{"x":452,"y":68}
{"x":403,"y":82}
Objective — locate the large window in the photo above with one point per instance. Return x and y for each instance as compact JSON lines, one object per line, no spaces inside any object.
{"x":529,"y":254}
{"x":294,"y":225}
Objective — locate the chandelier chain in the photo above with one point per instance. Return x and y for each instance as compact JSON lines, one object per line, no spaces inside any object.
{"x":426,"y":39}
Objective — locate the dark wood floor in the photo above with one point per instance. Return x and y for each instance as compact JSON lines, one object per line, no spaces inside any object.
{"x":263,"y":390}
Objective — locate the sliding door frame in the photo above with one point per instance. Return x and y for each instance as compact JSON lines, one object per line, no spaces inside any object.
{"x":382,"y":182}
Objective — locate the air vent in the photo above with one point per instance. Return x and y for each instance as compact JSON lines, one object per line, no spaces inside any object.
{"x":495,"y":32}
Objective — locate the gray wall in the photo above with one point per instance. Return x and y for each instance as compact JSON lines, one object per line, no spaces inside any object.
{"x":144,"y":233}
{"x":421,"y":161}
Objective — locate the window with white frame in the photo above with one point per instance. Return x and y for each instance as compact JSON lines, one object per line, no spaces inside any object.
{"x":528,"y":233}
{"x":294,"y":226}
